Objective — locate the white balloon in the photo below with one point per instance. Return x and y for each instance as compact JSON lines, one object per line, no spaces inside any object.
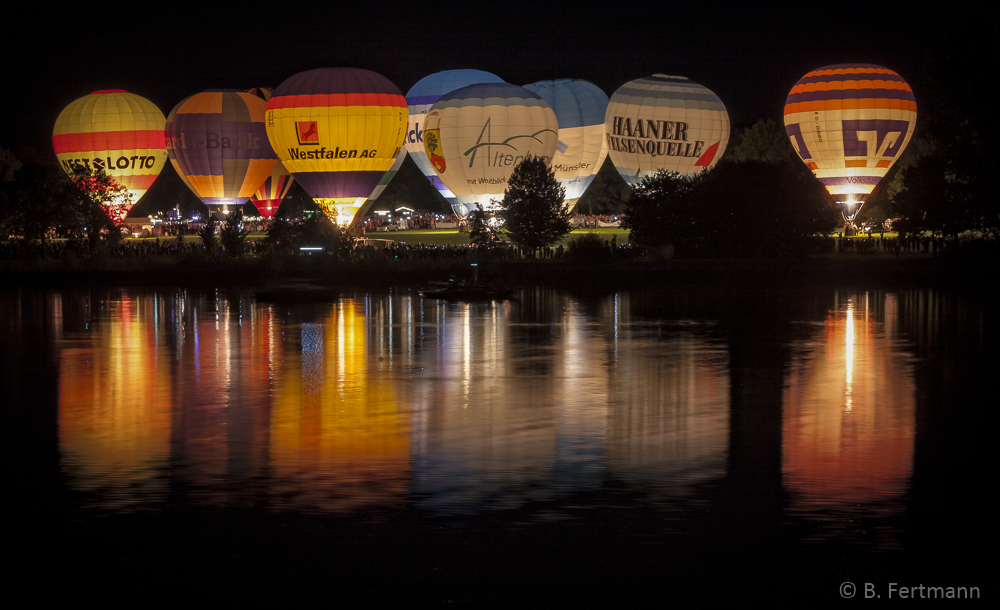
{"x":477,"y":135}
{"x":665,"y":122}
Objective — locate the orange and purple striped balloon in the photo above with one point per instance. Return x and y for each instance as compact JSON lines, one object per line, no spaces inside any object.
{"x":218,"y":144}
{"x":849,"y":123}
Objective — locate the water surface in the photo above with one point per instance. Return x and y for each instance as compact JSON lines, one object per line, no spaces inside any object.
{"x":800,"y":438}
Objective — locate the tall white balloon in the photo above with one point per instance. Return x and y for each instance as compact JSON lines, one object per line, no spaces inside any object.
{"x":580,"y":108}
{"x":477,"y":135}
{"x":665,"y":122}
{"x":419,"y":100}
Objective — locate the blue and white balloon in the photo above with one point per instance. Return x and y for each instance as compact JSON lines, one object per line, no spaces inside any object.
{"x":580,"y":107}
{"x":419,"y":100}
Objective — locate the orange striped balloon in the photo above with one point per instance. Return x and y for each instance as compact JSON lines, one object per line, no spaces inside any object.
{"x":116,"y":132}
{"x":268,"y":197}
{"x":849,"y":123}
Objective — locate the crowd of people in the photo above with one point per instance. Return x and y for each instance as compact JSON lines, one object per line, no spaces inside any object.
{"x":170,"y":242}
{"x":908,"y":244}
{"x":415,"y":220}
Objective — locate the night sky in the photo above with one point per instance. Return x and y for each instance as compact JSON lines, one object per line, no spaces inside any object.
{"x":165,"y":51}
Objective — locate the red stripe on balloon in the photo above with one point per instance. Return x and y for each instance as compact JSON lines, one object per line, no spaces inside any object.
{"x":136,"y":182}
{"x":336,"y":99}
{"x":96,"y":141}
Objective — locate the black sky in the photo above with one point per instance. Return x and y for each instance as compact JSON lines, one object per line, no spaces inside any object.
{"x":165,"y":51}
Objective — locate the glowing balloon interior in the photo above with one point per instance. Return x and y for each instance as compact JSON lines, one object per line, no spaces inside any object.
{"x":338,"y":131}
{"x":268,"y":197}
{"x":217,"y":143}
{"x":665,"y":123}
{"x":580,"y":107}
{"x":116,"y":132}
{"x":476,"y":136}
{"x":419,"y":100}
{"x":849,"y":123}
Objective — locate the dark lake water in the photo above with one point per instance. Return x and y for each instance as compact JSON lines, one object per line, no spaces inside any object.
{"x":685,"y":444}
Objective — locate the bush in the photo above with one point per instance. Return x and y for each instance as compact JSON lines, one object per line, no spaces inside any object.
{"x":589,"y":247}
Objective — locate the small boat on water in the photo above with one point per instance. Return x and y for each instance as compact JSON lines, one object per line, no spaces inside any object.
{"x":298,"y":291}
{"x":460,"y":291}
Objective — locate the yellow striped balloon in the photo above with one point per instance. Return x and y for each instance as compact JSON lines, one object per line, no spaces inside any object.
{"x":849,"y":123}
{"x":116,"y":132}
{"x":338,"y":131}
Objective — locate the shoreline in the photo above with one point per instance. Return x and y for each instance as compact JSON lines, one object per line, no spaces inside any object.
{"x":864,"y":270}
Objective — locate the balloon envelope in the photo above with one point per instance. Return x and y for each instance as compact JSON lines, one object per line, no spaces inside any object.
{"x":580,"y":107}
{"x":476,"y":136}
{"x":338,"y":131}
{"x":117,"y":132}
{"x":218,"y":144}
{"x":419,"y":100}
{"x":268,"y":197}
{"x":849,"y":123}
{"x":665,"y":123}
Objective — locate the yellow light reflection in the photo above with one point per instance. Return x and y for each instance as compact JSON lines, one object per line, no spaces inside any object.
{"x":849,"y":358}
{"x":338,"y":442}
{"x":114,"y":410}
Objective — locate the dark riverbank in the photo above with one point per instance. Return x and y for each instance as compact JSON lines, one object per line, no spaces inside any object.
{"x":858,"y":270}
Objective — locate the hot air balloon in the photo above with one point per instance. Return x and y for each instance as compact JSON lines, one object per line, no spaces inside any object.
{"x":849,"y":123}
{"x":116,"y":132}
{"x":218,"y":145}
{"x":268,"y":197}
{"x":580,"y":107}
{"x":664,"y":123}
{"x":263,"y":93}
{"x":476,"y":136}
{"x":419,"y":100}
{"x":387,"y":178}
{"x":337,"y":130}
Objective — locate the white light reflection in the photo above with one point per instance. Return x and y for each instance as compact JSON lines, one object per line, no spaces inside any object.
{"x":849,"y":357}
{"x":466,"y":355}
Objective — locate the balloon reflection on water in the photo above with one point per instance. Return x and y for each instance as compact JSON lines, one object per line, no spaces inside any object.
{"x":849,"y":414}
{"x":382,"y":401}
{"x":338,"y":441}
{"x":115,"y":397}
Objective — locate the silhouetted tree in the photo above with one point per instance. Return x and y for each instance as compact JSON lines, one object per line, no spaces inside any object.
{"x":233,"y":234}
{"x":532,"y":206}
{"x":743,"y":209}
{"x":207,"y":235}
{"x":946,"y":188}
{"x":282,"y":237}
{"x":35,"y":198}
{"x":662,"y":209}
{"x":764,"y":141}
{"x":484,"y":227}
{"x":756,"y":208}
